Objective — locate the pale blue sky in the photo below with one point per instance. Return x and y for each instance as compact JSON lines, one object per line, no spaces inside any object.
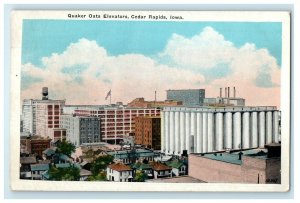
{"x":43,"y":37}
{"x":189,"y":54}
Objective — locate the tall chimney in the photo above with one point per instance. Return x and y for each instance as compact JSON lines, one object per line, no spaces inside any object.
{"x":225,"y":92}
{"x":228,"y":92}
{"x":221,"y":92}
{"x":234,"y":92}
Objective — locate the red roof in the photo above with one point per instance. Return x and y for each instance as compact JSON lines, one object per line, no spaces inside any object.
{"x":160,"y":167}
{"x":119,"y":167}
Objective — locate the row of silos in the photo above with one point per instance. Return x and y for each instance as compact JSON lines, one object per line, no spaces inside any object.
{"x":201,"y":130}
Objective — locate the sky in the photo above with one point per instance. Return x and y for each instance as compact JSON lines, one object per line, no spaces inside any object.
{"x":81,"y":61}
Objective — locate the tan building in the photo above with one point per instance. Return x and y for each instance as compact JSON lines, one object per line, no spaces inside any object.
{"x":141,"y":103}
{"x":148,"y":131}
{"x":260,"y":166}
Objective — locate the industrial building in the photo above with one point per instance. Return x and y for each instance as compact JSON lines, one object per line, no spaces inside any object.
{"x":226,"y":100}
{"x":205,"y":129}
{"x":189,"y":97}
{"x":141,"y":103}
{"x":41,"y":115}
{"x":256,"y":166}
{"x":81,"y":130}
{"x":147,"y":132}
{"x":116,"y":121}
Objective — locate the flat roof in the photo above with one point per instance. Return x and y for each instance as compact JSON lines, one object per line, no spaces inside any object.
{"x":233,"y":158}
{"x":177,"y":179}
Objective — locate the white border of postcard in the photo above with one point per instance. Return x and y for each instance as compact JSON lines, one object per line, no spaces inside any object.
{"x":217,"y":16}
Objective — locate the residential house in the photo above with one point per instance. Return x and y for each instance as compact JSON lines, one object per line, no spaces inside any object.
{"x":37,"y":170}
{"x":145,"y":167}
{"x":25,"y":170}
{"x":161,"y":170}
{"x":179,"y":168}
{"x":119,"y":172}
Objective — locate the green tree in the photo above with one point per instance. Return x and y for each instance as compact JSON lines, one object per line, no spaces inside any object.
{"x":70,"y":174}
{"x":100,"y":164}
{"x":100,"y":177}
{"x":66,"y":148}
{"x":140,"y":176}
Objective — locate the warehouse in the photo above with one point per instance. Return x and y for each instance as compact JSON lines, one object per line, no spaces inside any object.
{"x":205,"y":129}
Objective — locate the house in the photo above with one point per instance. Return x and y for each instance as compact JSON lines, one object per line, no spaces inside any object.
{"x":37,"y":170}
{"x":84,"y":174}
{"x":119,"y":172}
{"x":161,"y":170}
{"x":145,"y":167}
{"x":25,"y":170}
{"x":179,"y":168}
{"x":131,"y":156}
{"x":48,"y":153}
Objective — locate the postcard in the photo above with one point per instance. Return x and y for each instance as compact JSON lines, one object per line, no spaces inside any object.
{"x":150,"y":101}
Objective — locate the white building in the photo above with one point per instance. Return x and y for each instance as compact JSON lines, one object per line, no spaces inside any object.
{"x":204,"y":129}
{"x":119,"y":172}
{"x":81,"y":130}
{"x":41,"y":115}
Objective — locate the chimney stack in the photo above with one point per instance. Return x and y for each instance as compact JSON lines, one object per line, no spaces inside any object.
{"x":225,"y":92}
{"x":228,"y":92}
{"x":221,"y":92}
{"x":234,"y":92}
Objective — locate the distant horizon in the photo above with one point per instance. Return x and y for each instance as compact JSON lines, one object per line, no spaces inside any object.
{"x":81,"y":61}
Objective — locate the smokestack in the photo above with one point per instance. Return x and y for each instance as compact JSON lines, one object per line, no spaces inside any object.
{"x":221,"y":92}
{"x":45,"y":93}
{"x":228,"y":92}
{"x":225,"y":92}
{"x":234,"y":92}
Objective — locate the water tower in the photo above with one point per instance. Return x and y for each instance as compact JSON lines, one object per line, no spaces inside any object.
{"x":45,"y":93}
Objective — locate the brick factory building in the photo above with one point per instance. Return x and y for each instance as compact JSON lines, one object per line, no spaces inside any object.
{"x":256,"y":166}
{"x":141,"y":103}
{"x":116,"y":121}
{"x":34,"y":144}
{"x":148,"y":132}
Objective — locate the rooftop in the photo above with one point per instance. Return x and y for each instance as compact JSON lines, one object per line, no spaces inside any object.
{"x":159,"y":166}
{"x":179,"y":179}
{"x":28,"y":160}
{"x":233,"y":157}
{"x":39,"y":167}
{"x":119,"y":167}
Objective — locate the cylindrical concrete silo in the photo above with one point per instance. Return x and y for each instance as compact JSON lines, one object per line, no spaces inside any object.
{"x":262,"y":129}
{"x":187,"y":131}
{"x":269,"y":129}
{"x":228,"y":130}
{"x":177,"y":138}
{"x":162,"y":131}
{"x":219,"y":131}
{"x":210,"y":132}
{"x":275,"y":127}
{"x":204,"y":132}
{"x":237,"y":135}
{"x":246,"y":130}
{"x":193,"y":131}
{"x":199,"y":132}
{"x":167,"y":132}
{"x":182,"y":131}
{"x":254,"y":130}
{"x":172,"y":132}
